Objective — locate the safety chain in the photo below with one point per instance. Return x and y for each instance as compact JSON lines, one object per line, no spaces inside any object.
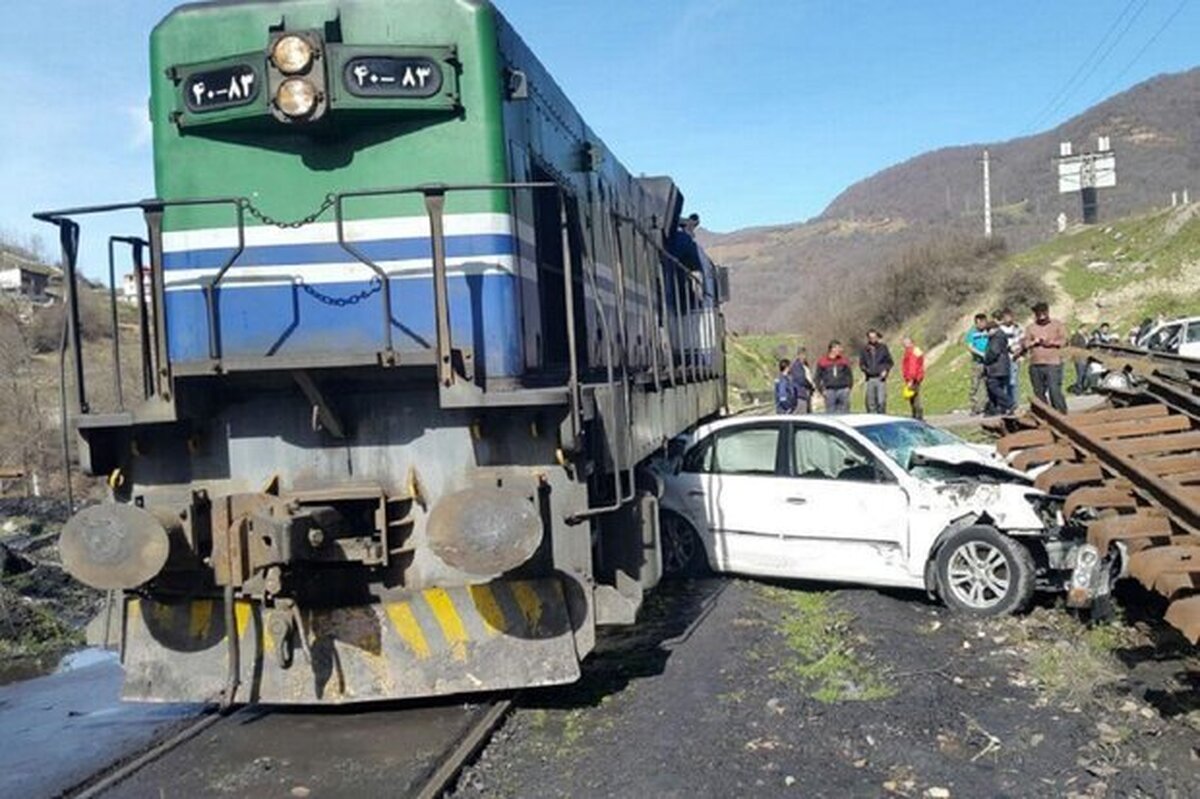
{"x":326,"y":204}
{"x":341,"y":302}
{"x":376,"y":283}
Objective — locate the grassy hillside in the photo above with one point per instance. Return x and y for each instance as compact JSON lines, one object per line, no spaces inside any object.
{"x":1120,"y":272}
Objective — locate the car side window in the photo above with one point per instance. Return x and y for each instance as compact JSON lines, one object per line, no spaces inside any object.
{"x":699,"y":458}
{"x":752,"y":450}
{"x":823,"y":455}
{"x":1193,"y":332}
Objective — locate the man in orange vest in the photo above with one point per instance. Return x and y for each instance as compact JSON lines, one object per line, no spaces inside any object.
{"x":912,"y":370}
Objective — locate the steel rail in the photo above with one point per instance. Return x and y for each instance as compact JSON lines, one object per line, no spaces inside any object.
{"x":89,"y":788}
{"x":442,"y":778}
{"x":1157,"y":490}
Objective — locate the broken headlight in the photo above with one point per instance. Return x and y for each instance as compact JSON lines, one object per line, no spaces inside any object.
{"x":1047,"y":508}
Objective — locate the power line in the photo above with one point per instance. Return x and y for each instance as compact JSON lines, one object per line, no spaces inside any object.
{"x":1092,"y":62}
{"x":1137,"y":56}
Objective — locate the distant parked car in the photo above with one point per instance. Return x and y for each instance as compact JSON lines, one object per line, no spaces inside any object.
{"x":870,"y":499}
{"x":1179,"y":336}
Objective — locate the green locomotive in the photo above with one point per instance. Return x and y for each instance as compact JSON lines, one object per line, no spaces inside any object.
{"x":411,"y":336}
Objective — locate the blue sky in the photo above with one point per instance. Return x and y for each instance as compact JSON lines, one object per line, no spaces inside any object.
{"x":763,"y":110}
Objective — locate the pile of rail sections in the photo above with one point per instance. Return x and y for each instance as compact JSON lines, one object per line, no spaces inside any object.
{"x":1130,"y":471}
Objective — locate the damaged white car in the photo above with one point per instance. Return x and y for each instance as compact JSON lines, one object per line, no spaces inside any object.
{"x":870,"y":499}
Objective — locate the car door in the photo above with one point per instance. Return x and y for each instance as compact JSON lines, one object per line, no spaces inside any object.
{"x":847,"y":516}
{"x":734,"y":490}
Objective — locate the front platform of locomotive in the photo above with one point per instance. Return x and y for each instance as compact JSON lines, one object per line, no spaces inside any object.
{"x":307,"y":505}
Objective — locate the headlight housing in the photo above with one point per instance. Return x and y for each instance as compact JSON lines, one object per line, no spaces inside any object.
{"x":292,"y":54}
{"x":296,"y":98}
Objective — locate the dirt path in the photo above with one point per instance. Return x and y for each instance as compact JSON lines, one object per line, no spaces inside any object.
{"x":786,"y":690}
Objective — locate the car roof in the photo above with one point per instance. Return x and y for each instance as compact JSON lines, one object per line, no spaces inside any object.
{"x":840,"y":421}
{"x":1176,"y":321}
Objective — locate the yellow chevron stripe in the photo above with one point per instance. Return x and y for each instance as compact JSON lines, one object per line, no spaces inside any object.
{"x":489,"y":609}
{"x":241,"y":615}
{"x":529,"y":602}
{"x":442,"y":605}
{"x":200,"y":619}
{"x":406,"y":626}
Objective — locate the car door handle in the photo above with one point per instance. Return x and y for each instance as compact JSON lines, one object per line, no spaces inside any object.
{"x":696,"y":492}
{"x":797,"y":501}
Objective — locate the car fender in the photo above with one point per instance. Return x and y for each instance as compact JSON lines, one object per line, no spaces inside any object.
{"x":961,"y":523}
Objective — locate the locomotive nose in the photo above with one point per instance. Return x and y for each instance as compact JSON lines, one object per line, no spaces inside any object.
{"x":114,"y":546}
{"x":485,"y":531}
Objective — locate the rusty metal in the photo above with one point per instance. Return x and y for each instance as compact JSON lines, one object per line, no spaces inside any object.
{"x":1099,"y":498}
{"x":115,"y":546}
{"x":1069,"y":474}
{"x":1037,"y":456}
{"x":1135,"y":529}
{"x":1140,"y":427}
{"x":1024,"y":439}
{"x":1184,"y":615}
{"x":1133,"y":472}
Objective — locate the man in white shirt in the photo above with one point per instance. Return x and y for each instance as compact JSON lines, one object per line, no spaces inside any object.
{"x":1014,"y":333}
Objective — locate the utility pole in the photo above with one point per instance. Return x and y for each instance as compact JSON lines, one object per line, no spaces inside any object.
{"x":987,"y":196}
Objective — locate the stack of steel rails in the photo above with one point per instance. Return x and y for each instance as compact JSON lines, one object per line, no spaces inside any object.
{"x":1130,"y":471}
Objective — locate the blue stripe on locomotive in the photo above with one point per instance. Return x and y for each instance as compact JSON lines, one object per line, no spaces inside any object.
{"x":291,"y":319}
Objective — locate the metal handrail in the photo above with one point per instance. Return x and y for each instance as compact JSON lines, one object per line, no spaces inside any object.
{"x":69,"y":232}
{"x":136,"y":246}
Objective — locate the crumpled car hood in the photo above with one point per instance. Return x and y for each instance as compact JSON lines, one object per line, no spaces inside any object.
{"x":975,"y":461}
{"x":1007,"y":505}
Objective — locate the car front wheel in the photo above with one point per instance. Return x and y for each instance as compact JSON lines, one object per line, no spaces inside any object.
{"x":682,"y":551}
{"x":983,"y":572}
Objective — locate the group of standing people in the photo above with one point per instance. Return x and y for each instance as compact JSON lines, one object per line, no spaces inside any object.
{"x":998,"y":345}
{"x":833,"y":377}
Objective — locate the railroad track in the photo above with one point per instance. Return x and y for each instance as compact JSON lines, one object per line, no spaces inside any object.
{"x":215,"y":743}
{"x":1131,"y":471}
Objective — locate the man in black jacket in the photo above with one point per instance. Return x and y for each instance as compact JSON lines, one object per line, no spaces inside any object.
{"x":997,"y":364}
{"x":876,"y":362}
{"x":834,"y":379}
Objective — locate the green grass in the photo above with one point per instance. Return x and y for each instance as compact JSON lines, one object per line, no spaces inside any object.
{"x":753,"y":363}
{"x":822,"y":655}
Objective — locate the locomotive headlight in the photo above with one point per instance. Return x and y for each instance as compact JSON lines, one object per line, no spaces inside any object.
{"x":296,"y":98}
{"x":292,"y":55}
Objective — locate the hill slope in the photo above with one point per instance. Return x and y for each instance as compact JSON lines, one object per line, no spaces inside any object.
{"x":1144,"y":265}
{"x":782,"y":273}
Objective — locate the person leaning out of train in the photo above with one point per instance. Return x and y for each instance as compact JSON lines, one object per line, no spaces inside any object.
{"x":785,"y":389}
{"x":835,"y":378}
{"x":912,"y":371}
{"x":801,"y":381}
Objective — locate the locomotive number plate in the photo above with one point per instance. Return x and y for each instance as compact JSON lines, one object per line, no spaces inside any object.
{"x":414,"y":77}
{"x":215,"y":89}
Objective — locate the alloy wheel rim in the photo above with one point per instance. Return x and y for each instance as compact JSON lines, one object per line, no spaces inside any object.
{"x":978,"y":574}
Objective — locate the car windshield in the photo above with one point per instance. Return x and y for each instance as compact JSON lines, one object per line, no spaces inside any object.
{"x":898,"y":439}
